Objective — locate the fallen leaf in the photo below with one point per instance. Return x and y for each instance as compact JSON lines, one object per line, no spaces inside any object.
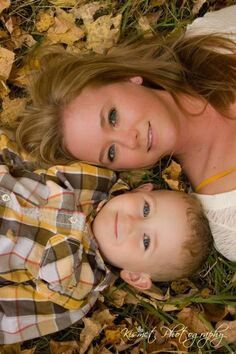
{"x":103,"y":33}
{"x":228,"y":329}
{"x":28,"y":351}
{"x":144,"y":26}
{"x":214,"y":312}
{"x":19,"y":37}
{"x":10,"y":349}
{"x":64,"y":29}
{"x":64,"y":3}
{"x":113,"y":334}
{"x":116,"y":296}
{"x":171,"y":175}
{"x":86,"y":12}
{"x":4,"y":4}
{"x":91,"y":330}
{"x":154,"y":3}
{"x":103,"y":317}
{"x":197,"y":6}
{"x":69,"y":347}
{"x":12,"y":109}
{"x":6,"y":61}
{"x":190,"y":318}
{"x":45,"y":19}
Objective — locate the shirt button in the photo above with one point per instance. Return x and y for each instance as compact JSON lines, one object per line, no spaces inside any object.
{"x":6,"y":198}
{"x":73,"y":219}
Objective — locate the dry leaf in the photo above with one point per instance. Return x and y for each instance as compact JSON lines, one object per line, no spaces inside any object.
{"x":91,"y":330}
{"x":69,"y":347}
{"x":214,"y":312}
{"x":64,"y":29}
{"x":171,"y":175}
{"x":12,"y":109}
{"x":10,"y":349}
{"x":87,"y":11}
{"x":103,"y":33}
{"x":10,"y":24}
{"x":145,"y":26}
{"x":190,"y":318}
{"x":228,"y":329}
{"x":116,"y":296}
{"x":4,"y":90}
{"x":19,"y":37}
{"x":44,"y":20}
{"x":6,"y":61}
{"x":4,"y":4}
{"x":64,"y":3}
{"x":197,"y":6}
{"x":154,"y":3}
{"x":104,"y":317}
{"x":28,"y":351}
{"x":113,"y":334}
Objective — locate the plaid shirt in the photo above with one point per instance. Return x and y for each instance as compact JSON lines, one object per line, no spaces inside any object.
{"x":51,"y":271}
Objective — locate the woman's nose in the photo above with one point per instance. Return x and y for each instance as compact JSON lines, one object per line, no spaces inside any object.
{"x":127,"y":138}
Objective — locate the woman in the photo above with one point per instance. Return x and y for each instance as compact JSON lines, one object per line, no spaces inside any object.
{"x":143,"y":101}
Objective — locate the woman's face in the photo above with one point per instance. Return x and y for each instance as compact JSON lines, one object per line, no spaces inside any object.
{"x":122,"y":125}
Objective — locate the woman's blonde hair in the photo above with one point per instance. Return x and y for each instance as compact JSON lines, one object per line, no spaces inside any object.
{"x":190,"y":66}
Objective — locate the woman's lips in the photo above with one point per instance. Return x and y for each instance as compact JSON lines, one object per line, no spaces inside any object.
{"x":149,"y":138}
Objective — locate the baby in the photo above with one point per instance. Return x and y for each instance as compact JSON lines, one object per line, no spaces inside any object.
{"x":57,"y":228}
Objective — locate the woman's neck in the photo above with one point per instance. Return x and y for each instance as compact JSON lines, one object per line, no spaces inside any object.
{"x":207,"y":145}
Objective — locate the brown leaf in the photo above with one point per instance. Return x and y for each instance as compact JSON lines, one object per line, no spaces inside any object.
{"x":228,"y":329}
{"x":91,"y":330}
{"x":70,"y":347}
{"x":104,"y":317}
{"x":12,"y":109}
{"x":64,"y":3}
{"x":113,"y":334}
{"x":144,"y":25}
{"x":197,"y":6}
{"x":154,"y":3}
{"x":190,"y":318}
{"x":87,"y":11}
{"x":6,"y":61}
{"x":4,"y":4}
{"x":116,"y":296}
{"x":64,"y":29}
{"x":103,"y":33}
{"x":171,"y":176}
{"x":28,"y":351}
{"x":45,"y":19}
{"x":10,"y":349}
{"x":214,"y":312}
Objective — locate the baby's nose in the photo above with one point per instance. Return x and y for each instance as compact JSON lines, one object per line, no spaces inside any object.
{"x":128,"y":138}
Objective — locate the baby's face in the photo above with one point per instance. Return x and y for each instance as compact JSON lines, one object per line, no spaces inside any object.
{"x":142,"y":231}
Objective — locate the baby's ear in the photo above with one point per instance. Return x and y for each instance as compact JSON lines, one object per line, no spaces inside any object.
{"x":138,"y":80}
{"x":147,"y":187}
{"x":141,"y":281}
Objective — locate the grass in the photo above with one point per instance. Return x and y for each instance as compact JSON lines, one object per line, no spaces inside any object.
{"x":213,"y":283}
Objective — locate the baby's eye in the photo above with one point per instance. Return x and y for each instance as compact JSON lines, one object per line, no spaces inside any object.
{"x":146,"y":209}
{"x":111,"y":153}
{"x":146,"y":241}
{"x":112,"y":119}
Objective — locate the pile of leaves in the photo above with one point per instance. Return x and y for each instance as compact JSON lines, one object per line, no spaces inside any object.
{"x":190,"y":316}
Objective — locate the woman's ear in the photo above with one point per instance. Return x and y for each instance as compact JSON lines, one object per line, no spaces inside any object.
{"x":141,"y":281}
{"x":138,"y":80}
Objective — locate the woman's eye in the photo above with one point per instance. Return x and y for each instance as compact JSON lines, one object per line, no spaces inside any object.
{"x":112,"y":119}
{"x":146,"y":241}
{"x":111,"y":153}
{"x":146,"y":209}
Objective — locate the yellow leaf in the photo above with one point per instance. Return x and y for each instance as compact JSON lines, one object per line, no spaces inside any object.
{"x":116,"y":296}
{"x":103,"y":33}
{"x":10,"y":349}
{"x":28,"y":351}
{"x":44,"y":20}
{"x":6,"y":61}
{"x":171,"y":175}
{"x":87,"y":11}
{"x":64,"y":30}
{"x":103,"y":317}
{"x":91,"y":330}
{"x":4,"y":4}
{"x":12,"y":109}
{"x":64,"y":3}
{"x":113,"y":334}
{"x":69,"y":347}
{"x":145,"y":26}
